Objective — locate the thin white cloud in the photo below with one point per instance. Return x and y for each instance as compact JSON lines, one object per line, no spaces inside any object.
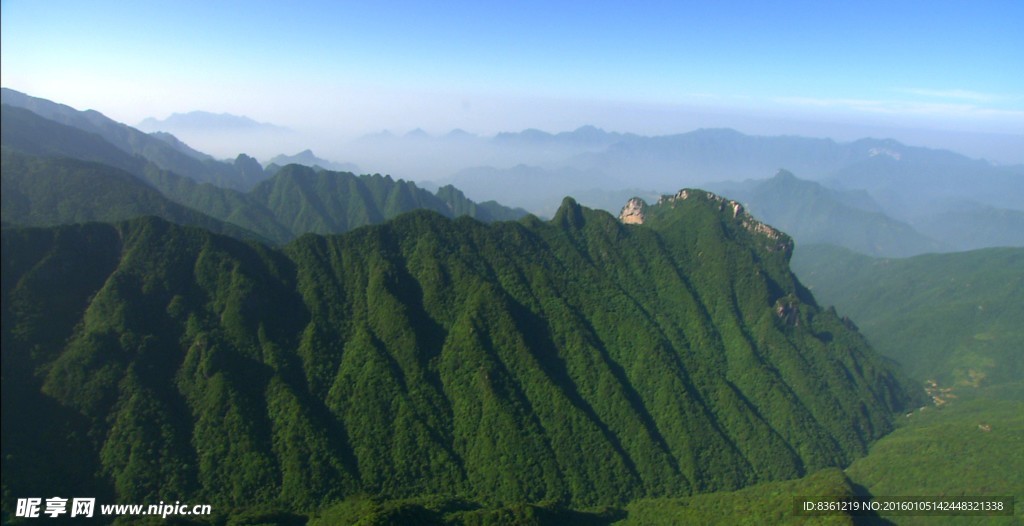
{"x":903,"y":107}
{"x":955,"y":94}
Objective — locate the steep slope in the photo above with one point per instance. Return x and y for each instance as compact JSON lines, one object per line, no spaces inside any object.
{"x":40,"y":191}
{"x":581,"y":361}
{"x":460,"y":205}
{"x":29,"y":133}
{"x":296,"y":200}
{"x":304,"y":199}
{"x":307,"y":158}
{"x":24,"y":131}
{"x":132,"y":141}
{"x":956,"y":318}
{"x":812,"y":213}
{"x":909,"y":182}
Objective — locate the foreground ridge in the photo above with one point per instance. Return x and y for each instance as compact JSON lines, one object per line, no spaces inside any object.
{"x":578,"y":360}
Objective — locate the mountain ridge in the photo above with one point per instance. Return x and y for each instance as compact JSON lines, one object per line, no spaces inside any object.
{"x":133,"y":142}
{"x":813,"y":213}
{"x":287,"y":204}
{"x":205,"y":120}
{"x":512,"y":361}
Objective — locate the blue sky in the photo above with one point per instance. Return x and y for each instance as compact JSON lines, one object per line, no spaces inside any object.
{"x":648,"y":67}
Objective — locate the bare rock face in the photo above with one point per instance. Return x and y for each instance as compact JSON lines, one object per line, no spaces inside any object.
{"x":633,"y":212}
{"x":777,"y":241}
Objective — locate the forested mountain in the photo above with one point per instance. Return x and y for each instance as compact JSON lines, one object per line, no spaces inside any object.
{"x":48,"y":191}
{"x":812,"y":213}
{"x":580,"y":361}
{"x":905,"y":180}
{"x":160,"y":152}
{"x":957,"y":318}
{"x":968,"y":225}
{"x":915,"y":193}
{"x":308,"y":158}
{"x":958,"y":202}
{"x":296,"y":200}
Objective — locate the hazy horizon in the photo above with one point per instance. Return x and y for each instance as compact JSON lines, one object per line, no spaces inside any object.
{"x":942,"y":75}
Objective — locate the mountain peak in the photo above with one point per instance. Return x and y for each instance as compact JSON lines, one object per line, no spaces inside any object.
{"x":569,"y":214}
{"x":418,"y":133}
{"x":308,"y":158}
{"x":688,"y":198}
{"x":633,"y":212}
{"x":204,"y":121}
{"x":784,"y":175}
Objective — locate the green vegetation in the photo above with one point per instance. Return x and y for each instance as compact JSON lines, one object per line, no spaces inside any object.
{"x":433,"y":371}
{"x":812,"y":213}
{"x":970,"y":226}
{"x":955,"y":318}
{"x":38,"y":191}
{"x":127,"y":141}
{"x":572,"y":364}
{"x":969,"y":447}
{"x":768,"y":503}
{"x":295,"y":201}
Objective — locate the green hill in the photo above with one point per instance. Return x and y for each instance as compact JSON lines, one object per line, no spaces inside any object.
{"x":957,"y":318}
{"x":970,"y":226}
{"x":40,"y":191}
{"x":812,"y":213}
{"x":577,"y":362}
{"x":969,"y":447}
{"x":296,"y":200}
{"x":306,"y":200}
{"x":162,"y":153}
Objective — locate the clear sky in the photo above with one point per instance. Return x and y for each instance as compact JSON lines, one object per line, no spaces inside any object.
{"x":646,"y":67}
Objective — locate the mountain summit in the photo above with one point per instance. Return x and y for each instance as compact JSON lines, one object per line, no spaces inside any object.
{"x":205,"y":121}
{"x":579,"y":360}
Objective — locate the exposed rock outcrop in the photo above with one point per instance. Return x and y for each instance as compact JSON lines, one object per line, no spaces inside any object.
{"x":633,"y":212}
{"x":778,"y":241}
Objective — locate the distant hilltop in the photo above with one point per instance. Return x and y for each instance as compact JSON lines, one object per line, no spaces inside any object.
{"x":206,"y":121}
{"x":308,"y":158}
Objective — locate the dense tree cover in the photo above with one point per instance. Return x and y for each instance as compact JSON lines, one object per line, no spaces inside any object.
{"x":579,"y":362}
{"x":306,"y":200}
{"x":813,"y":213}
{"x":166,"y":154}
{"x":296,"y":200}
{"x":43,"y":191}
{"x":956,"y":318}
{"x":970,"y":446}
{"x":766,"y":503}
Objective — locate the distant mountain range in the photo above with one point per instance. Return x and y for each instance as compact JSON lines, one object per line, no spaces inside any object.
{"x":307,"y":158}
{"x":877,"y":197}
{"x":300,"y":343}
{"x":537,"y":189}
{"x":813,"y":213}
{"x":160,"y":152}
{"x":206,"y":121}
{"x":48,"y":191}
{"x":275,"y":208}
{"x":905,"y":200}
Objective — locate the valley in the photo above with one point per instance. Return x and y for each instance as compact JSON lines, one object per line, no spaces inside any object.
{"x":299,"y":344}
